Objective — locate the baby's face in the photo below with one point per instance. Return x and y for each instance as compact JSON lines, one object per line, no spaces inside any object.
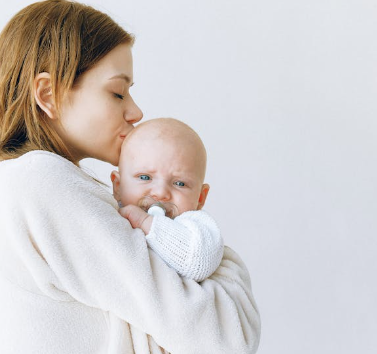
{"x":165,"y":170}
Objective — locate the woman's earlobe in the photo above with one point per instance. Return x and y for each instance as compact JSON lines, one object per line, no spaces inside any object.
{"x":43,"y":95}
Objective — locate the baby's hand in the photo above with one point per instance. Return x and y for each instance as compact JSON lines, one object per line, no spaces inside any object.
{"x":137,"y":217}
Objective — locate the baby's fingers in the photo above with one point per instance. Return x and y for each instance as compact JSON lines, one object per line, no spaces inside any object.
{"x":134,"y":214}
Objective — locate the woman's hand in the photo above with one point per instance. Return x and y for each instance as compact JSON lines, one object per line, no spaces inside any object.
{"x":137,"y":217}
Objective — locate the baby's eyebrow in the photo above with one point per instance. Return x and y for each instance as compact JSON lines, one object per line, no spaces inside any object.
{"x":145,"y":171}
{"x":123,"y":77}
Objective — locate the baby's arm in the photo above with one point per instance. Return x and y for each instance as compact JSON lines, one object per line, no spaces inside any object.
{"x":191,"y":243}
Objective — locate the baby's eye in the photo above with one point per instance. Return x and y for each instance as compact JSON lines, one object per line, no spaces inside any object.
{"x":179,"y":184}
{"x":144,"y":177}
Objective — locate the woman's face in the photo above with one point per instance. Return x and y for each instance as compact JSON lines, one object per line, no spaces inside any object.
{"x":99,"y":111}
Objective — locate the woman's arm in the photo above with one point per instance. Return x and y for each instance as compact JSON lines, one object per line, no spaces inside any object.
{"x":191,"y":243}
{"x":68,"y":226}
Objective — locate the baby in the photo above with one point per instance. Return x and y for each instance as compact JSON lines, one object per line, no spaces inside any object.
{"x":164,"y":160}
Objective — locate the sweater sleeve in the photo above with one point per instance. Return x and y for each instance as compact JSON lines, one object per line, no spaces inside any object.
{"x":191,"y":243}
{"x":66,"y":230}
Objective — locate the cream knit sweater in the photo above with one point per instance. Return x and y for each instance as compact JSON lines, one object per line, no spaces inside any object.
{"x":75,"y":278}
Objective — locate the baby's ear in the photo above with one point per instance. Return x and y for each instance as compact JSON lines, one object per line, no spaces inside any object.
{"x":203,"y":196}
{"x":115,"y":178}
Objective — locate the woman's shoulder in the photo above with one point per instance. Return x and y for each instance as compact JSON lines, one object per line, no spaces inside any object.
{"x":38,"y":160}
{"x":41,"y":163}
{"x":45,"y":170}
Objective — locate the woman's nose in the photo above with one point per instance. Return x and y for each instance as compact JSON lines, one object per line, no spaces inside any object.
{"x":133,"y":113}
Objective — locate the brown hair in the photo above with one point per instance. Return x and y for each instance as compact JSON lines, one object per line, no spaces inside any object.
{"x":62,"y":38}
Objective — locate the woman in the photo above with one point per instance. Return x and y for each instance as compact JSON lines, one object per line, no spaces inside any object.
{"x":75,"y":277}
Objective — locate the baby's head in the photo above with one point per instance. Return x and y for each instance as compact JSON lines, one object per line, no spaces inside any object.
{"x":165,"y":159}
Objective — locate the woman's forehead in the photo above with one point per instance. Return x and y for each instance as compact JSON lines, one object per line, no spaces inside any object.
{"x":116,"y":65}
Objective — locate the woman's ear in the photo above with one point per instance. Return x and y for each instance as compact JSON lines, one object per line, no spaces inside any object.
{"x":43,"y":94}
{"x":203,"y":196}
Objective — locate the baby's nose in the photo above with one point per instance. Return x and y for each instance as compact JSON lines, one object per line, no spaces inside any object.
{"x":161,"y":192}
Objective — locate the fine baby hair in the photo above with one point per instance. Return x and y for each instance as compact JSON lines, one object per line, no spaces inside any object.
{"x":159,"y":158}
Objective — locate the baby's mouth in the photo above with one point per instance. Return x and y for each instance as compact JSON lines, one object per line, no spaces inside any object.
{"x":147,"y":202}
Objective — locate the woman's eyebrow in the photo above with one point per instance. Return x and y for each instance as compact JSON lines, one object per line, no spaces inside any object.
{"x":123,"y":77}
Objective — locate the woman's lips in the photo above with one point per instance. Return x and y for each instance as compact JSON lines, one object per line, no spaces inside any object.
{"x":122,"y":136}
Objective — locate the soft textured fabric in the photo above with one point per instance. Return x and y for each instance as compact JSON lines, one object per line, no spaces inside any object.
{"x":76,"y":278}
{"x":191,"y":243}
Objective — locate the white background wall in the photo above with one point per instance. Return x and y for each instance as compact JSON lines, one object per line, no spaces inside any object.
{"x":283,"y":94}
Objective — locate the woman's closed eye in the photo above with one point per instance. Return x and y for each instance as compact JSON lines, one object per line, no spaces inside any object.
{"x":118,"y":95}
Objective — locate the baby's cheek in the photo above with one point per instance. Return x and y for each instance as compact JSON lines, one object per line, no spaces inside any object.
{"x":130,"y":197}
{"x":187,"y":205}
